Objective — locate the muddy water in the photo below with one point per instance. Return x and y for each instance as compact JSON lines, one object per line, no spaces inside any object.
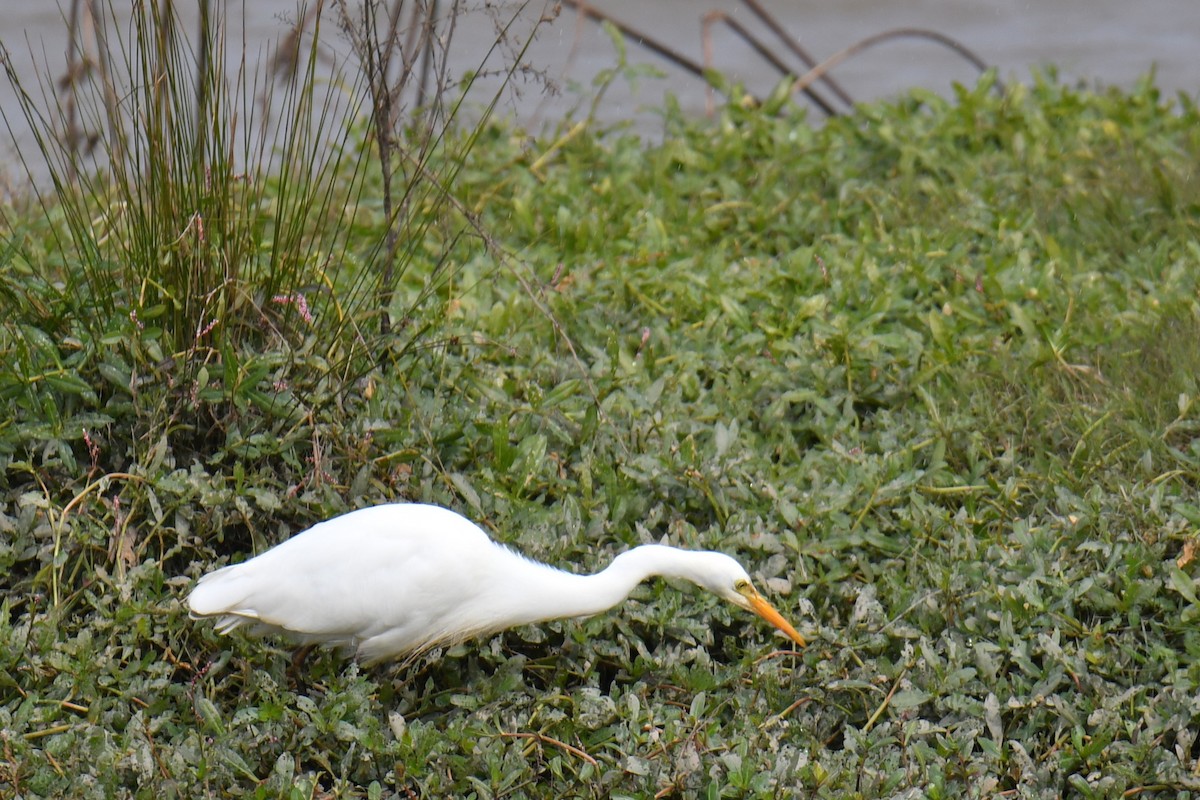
{"x":1099,"y":41}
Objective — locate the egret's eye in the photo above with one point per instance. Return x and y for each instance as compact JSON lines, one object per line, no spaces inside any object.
{"x":741,"y":585}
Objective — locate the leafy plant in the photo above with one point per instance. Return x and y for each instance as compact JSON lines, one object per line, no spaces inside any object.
{"x":912,"y":366}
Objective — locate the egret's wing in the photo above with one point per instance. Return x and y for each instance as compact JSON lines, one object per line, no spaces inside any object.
{"x":353,"y":578}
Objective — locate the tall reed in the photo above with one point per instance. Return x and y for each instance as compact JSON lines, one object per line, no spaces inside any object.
{"x":212,"y":252}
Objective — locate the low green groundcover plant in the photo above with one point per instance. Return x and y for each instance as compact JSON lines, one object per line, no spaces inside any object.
{"x":929,"y":369}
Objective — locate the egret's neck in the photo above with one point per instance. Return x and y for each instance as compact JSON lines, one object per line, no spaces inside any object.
{"x":567,"y":595}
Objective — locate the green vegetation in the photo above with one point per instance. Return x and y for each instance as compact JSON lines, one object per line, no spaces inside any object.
{"x":929,"y":370}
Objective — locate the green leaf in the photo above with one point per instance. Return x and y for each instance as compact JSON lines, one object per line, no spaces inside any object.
{"x":68,"y":384}
{"x":907,"y":699}
{"x":1182,"y":583}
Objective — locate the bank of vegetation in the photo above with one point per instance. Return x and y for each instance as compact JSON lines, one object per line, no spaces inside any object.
{"x":928,"y":369}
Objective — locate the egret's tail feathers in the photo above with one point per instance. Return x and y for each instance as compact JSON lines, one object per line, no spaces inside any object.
{"x":219,"y":594}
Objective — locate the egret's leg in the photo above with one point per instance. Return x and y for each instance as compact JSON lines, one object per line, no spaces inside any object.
{"x":296,"y":671}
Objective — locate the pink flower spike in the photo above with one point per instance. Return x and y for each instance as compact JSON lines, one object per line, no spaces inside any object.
{"x":297,"y":299}
{"x":92,"y":448}
{"x":207,"y":329}
{"x":302,"y":307}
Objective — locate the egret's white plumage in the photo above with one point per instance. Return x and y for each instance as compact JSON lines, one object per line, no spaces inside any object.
{"x":393,"y":580}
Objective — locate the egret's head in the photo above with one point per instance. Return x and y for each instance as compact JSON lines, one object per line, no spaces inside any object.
{"x":726,"y":578}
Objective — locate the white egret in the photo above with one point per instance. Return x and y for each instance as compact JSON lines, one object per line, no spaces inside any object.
{"x":394,"y":580}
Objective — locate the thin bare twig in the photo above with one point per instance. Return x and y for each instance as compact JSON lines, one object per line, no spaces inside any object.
{"x":886,"y":701}
{"x":819,"y":71}
{"x":76,"y":67}
{"x":666,"y":51}
{"x":792,"y":44}
{"x":713,"y":17}
{"x":803,"y":83}
{"x":777,"y":654}
{"x":544,"y":739}
{"x":783,"y":714}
